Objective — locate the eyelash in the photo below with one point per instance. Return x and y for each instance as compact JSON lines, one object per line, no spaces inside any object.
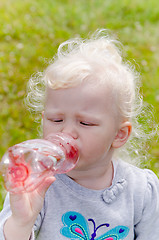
{"x":56,"y":120}
{"x":81,"y":122}
{"x":87,"y":124}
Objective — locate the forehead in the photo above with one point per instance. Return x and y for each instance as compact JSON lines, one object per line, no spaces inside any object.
{"x":85,"y":97}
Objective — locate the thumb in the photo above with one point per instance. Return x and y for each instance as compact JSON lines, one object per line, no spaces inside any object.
{"x":45,"y":185}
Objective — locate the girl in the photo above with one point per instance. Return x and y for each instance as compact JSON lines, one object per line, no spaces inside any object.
{"x":89,"y":93}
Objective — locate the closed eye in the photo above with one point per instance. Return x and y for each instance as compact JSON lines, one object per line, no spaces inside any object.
{"x":56,"y":120}
{"x":87,"y":124}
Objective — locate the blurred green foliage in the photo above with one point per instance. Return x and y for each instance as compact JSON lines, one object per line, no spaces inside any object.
{"x":30,"y":32}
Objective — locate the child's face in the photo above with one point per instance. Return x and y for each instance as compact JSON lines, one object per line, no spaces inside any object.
{"x":87,"y":113}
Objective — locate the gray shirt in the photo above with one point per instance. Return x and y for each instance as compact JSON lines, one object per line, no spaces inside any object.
{"x":129,"y":209}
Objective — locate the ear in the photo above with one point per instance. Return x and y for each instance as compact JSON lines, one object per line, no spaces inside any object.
{"x":122,"y":135}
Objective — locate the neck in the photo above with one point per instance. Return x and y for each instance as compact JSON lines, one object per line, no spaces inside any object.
{"x":95,"y":178}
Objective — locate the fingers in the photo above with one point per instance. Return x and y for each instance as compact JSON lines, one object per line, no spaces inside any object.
{"x":45,"y":185}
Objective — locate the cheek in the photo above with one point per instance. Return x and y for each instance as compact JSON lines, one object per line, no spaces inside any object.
{"x":49,"y":128}
{"x":96,"y":144}
{"x":92,"y":146}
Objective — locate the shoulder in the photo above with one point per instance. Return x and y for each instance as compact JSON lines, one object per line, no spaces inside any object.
{"x":142,"y":190}
{"x":143,"y":184}
{"x":135,"y":175}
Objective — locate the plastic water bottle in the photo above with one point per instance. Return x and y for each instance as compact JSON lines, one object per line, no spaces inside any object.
{"x":25,"y":165}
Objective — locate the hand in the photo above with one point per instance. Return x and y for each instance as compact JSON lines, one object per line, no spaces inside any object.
{"x":25,"y":209}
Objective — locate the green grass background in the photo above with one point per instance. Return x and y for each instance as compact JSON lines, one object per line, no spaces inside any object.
{"x":30,"y":32}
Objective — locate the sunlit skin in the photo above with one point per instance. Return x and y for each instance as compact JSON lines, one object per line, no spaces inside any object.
{"x":89,"y":115}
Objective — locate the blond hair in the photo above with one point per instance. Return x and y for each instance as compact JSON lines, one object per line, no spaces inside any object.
{"x":98,"y":58}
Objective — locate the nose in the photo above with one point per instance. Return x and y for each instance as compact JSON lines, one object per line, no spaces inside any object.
{"x":71,"y":130}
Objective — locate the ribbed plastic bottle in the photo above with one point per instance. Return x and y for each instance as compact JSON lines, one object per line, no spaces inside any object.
{"x":25,"y":165}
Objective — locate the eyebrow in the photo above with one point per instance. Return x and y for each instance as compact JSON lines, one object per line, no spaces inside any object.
{"x":53,"y":113}
{"x":82,"y":115}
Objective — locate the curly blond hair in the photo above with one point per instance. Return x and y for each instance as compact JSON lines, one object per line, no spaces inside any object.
{"x":98,"y":57}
